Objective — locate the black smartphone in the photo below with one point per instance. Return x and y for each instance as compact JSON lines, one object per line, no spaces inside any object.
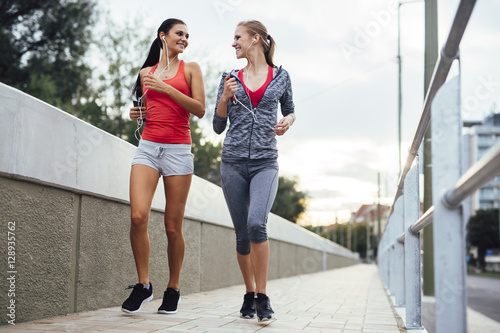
{"x":136,"y":103}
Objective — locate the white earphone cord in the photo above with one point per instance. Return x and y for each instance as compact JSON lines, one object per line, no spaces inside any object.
{"x":246,"y":87}
{"x":249,"y":110}
{"x":140,"y":121}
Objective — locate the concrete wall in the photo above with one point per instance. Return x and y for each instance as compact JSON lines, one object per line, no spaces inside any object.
{"x":64,"y":200}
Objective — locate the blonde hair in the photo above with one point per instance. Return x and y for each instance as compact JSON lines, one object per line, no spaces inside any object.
{"x":256,"y":27}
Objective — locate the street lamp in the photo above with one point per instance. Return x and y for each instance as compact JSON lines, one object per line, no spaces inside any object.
{"x":400,"y":98}
{"x":399,"y":85}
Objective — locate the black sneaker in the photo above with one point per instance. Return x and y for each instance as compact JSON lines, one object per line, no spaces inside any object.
{"x":248,"y":307}
{"x":139,"y":296}
{"x":171,"y":299}
{"x":263,"y":305}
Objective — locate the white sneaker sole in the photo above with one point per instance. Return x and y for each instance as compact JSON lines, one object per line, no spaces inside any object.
{"x":150,"y":298}
{"x":264,"y":319}
{"x":247,"y":316}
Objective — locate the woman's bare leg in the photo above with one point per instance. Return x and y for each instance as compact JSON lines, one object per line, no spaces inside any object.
{"x":176,"y":193}
{"x":143,"y":183}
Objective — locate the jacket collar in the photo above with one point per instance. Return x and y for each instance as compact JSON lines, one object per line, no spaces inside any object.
{"x":234,"y":73}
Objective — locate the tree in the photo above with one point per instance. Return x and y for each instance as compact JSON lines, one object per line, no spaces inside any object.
{"x":122,"y":49}
{"x":290,"y":203}
{"x":359,"y":239}
{"x":482,"y":231}
{"x":206,"y":155}
{"x":338,"y":234}
{"x":42,"y":44}
{"x":50,"y":41}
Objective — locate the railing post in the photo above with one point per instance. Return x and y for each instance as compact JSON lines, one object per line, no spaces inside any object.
{"x":387,"y":264}
{"x":392,"y":257}
{"x":449,"y":238}
{"x":412,"y":251}
{"x":387,"y":258}
{"x":385,"y":261}
{"x":399,"y":252}
{"x":380,"y":260}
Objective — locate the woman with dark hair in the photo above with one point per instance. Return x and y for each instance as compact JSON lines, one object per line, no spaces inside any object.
{"x":168,"y":91}
{"x":249,"y":170}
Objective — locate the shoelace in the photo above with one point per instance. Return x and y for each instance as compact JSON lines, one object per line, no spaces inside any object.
{"x":267,"y":303}
{"x":135,"y":292}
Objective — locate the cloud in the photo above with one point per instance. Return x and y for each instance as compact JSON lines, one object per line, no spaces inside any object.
{"x":324,"y":193}
{"x":339,"y":175}
{"x":354,"y":170}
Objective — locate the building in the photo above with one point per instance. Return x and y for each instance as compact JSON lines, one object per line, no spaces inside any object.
{"x":369,"y":213}
{"x":492,"y":261}
{"x":478,"y":138}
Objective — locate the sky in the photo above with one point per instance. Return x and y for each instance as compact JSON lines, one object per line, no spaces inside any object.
{"x":341,"y":56}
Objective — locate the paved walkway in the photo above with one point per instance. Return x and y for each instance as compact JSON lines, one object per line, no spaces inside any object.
{"x":343,"y":300}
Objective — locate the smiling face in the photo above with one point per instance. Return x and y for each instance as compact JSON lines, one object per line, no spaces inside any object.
{"x":242,"y":41}
{"x":177,"y":38}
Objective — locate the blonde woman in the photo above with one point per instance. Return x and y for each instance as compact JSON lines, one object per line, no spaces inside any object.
{"x":249,"y":98}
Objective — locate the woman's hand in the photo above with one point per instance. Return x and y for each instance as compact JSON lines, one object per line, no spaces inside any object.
{"x":283,"y":125}
{"x":135,"y":112}
{"x":153,"y":83}
{"x":230,"y":88}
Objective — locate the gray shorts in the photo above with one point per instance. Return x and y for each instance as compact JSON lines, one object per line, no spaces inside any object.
{"x":166,"y":158}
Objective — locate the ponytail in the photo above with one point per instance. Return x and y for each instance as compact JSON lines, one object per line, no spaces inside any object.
{"x":151,"y":60}
{"x":269,"y":50}
{"x":154,"y":53}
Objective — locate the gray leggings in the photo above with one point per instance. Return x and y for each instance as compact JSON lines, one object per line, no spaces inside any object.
{"x":249,"y":187}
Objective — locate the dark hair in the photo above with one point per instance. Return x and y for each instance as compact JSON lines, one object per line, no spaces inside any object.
{"x":256,"y":27}
{"x":154,"y":52}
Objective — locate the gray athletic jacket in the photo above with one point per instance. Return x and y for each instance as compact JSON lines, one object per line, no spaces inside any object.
{"x":248,"y":138}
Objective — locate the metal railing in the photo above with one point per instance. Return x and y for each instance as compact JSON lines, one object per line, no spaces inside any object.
{"x":399,"y":255}
{"x":449,"y":53}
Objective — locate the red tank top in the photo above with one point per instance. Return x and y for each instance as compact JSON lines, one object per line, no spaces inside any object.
{"x":256,"y":96}
{"x":167,"y":121}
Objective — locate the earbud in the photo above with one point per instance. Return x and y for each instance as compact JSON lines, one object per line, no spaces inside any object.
{"x":164,"y":39}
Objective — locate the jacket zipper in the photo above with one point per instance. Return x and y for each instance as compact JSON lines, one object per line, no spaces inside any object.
{"x":254,"y":109}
